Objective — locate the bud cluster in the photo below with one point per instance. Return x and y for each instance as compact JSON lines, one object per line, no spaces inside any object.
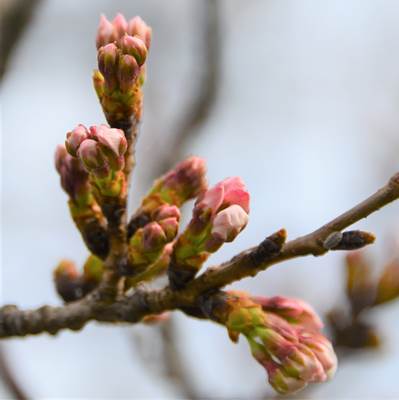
{"x":147,"y":244}
{"x":122,"y":51}
{"x":284,"y":337}
{"x":184,"y":182}
{"x":101,"y":151}
{"x":74,"y":177}
{"x":219,"y":215}
{"x":83,"y":207}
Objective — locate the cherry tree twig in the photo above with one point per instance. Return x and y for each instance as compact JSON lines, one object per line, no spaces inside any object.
{"x":132,"y":308}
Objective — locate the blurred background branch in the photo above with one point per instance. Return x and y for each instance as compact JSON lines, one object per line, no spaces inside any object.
{"x":15,"y":18}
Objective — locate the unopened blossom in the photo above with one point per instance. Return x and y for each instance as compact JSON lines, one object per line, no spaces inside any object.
{"x":83,"y":207}
{"x":295,"y":311}
{"x":101,"y":149}
{"x":109,"y":32}
{"x":147,"y":244}
{"x":219,"y":215}
{"x":292,"y":355}
{"x":74,"y":178}
{"x":182,"y":183}
{"x":122,"y":51}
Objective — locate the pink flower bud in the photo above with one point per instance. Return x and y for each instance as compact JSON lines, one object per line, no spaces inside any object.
{"x":226,"y":193}
{"x":74,"y":178}
{"x":75,"y":138}
{"x":105,"y":32}
{"x":167,"y":211}
{"x":229,"y":222}
{"x":135,"y":47}
{"x":187,"y":179}
{"x":137,"y":27}
{"x":93,"y":159}
{"x":281,"y":381}
{"x":235,"y":192}
{"x":322,"y":349}
{"x":293,"y":310}
{"x":153,"y":237}
{"x":128,"y":71}
{"x":120,"y":25}
{"x":108,"y":60}
{"x":170,"y":227}
{"x":111,"y":138}
{"x":59,"y":157}
{"x":211,"y":201}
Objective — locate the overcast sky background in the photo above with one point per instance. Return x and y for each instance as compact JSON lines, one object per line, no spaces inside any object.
{"x":307,"y":115}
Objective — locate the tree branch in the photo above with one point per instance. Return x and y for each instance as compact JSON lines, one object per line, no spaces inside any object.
{"x":15,"y":322}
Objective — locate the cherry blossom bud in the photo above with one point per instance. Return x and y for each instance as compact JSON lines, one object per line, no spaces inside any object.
{"x":167,"y":211}
{"x":235,"y":192}
{"x":226,"y":193}
{"x":216,"y":220}
{"x":107,"y":64}
{"x":74,"y":178}
{"x":229,"y":222}
{"x":113,"y":144}
{"x":281,"y":381}
{"x":322,"y":349}
{"x":128,"y":72}
{"x":295,"y":311}
{"x":135,"y":47}
{"x":153,"y":236}
{"x":137,"y":27}
{"x":105,"y":32}
{"x":185,"y":181}
{"x":120,"y":25}
{"x":291,"y":355}
{"x":93,"y":159}
{"x":75,"y":138}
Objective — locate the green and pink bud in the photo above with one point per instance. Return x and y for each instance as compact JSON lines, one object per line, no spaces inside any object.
{"x":219,"y":215}
{"x":101,"y":149}
{"x":134,"y":46}
{"x":106,"y":32}
{"x":137,"y":27}
{"x":128,"y":71}
{"x":184,"y":182}
{"x":120,"y":25}
{"x":294,"y":311}
{"x":74,"y":178}
{"x":108,"y":60}
{"x":292,"y":355}
{"x":148,"y":243}
{"x":75,"y":138}
{"x":121,"y":64}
